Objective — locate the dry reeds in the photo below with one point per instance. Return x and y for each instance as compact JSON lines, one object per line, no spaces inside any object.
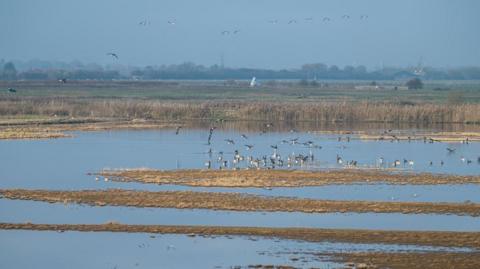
{"x":349,"y":112}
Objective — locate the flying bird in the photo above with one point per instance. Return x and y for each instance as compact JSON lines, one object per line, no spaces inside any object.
{"x":292,"y":21}
{"x":325,"y":19}
{"x":273,"y":21}
{"x":172,"y":22}
{"x":225,"y":32}
{"x":346,"y":17}
{"x":144,"y":23}
{"x":113,"y":55}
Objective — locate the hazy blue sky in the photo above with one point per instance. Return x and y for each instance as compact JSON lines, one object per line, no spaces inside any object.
{"x":443,"y":32}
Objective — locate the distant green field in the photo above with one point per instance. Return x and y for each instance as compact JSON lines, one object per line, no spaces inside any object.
{"x":433,"y":92}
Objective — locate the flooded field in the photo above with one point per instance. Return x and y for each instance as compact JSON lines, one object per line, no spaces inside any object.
{"x":108,"y":250}
{"x":71,"y":164}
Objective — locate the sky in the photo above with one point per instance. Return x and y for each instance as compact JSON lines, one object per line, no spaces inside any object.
{"x":439,"y":33}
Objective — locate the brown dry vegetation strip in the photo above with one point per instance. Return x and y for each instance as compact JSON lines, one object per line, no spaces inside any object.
{"x":30,"y":133}
{"x":424,"y":238}
{"x":317,"y":111}
{"x":281,"y":178}
{"x":234,"y":202}
{"x":55,"y":129}
{"x":411,"y":260}
{"x":436,"y":137}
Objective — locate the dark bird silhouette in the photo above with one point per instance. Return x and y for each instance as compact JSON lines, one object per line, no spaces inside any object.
{"x":12,"y":90}
{"x":63,"y":80}
{"x":114,"y":55}
{"x":178,"y":130}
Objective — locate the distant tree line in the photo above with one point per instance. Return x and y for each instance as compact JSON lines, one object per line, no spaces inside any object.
{"x":190,"y":70}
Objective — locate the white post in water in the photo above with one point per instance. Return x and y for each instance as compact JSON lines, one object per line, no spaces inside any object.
{"x":253,"y":83}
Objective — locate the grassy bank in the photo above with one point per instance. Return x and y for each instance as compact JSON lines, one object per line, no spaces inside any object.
{"x":350,"y":112}
{"x":333,"y":101}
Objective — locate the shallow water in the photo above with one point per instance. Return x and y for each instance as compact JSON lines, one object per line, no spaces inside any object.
{"x":18,"y":211}
{"x":375,"y":192}
{"x":63,"y":163}
{"x":141,"y":250}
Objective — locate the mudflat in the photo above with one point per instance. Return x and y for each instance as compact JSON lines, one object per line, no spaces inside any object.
{"x":281,"y":178}
{"x":235,"y":202}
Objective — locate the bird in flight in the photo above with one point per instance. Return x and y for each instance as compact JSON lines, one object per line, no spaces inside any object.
{"x":346,"y":17}
{"x":236,"y":31}
{"x":113,"y":55}
{"x":144,"y":23}
{"x":364,"y":17}
{"x":225,"y":32}
{"x":292,"y":21}
{"x":172,"y":22}
{"x":273,"y":21}
{"x":326,"y":19}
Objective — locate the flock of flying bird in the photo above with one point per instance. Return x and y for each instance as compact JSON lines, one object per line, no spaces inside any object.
{"x":173,"y":22}
{"x":302,"y":160}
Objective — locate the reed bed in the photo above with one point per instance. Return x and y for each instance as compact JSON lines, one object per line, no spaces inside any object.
{"x":349,"y":112}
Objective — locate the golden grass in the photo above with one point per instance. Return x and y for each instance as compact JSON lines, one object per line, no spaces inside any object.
{"x":280,"y":178}
{"x":30,"y":133}
{"x":423,"y":113}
